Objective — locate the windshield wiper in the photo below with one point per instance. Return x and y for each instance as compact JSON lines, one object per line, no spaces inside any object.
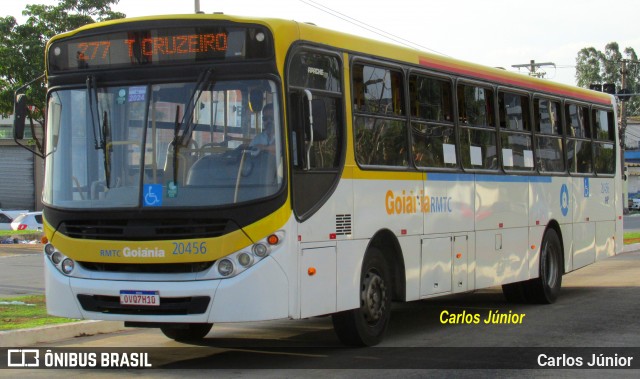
{"x":103,"y":133}
{"x":92,"y":93}
{"x":106,"y":134}
{"x":176,"y":130}
{"x":187,"y":125}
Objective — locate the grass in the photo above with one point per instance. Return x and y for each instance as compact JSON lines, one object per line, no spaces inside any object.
{"x":8,"y":233}
{"x":631,"y":237}
{"x":26,"y":312}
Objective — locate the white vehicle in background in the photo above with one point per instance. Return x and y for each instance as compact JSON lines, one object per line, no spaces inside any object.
{"x":635,"y":204}
{"x":7,"y":217}
{"x":28,"y":221}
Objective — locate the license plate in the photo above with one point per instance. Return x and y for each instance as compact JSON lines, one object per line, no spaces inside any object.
{"x":143,"y":298}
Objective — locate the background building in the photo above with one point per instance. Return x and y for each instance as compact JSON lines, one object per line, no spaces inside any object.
{"x":21,"y":172}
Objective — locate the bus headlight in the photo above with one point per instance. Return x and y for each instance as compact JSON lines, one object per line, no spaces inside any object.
{"x":225,"y":267}
{"x":57,"y":257}
{"x":64,"y":264}
{"x":236,"y":263}
{"x":67,"y":266}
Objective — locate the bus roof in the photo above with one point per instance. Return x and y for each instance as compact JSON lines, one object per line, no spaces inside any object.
{"x":377,"y":49}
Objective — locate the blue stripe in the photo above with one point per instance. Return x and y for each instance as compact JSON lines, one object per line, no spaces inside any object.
{"x":442,"y":177}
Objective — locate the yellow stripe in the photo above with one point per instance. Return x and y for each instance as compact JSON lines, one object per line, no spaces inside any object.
{"x":357,"y":173}
{"x":216,"y":248}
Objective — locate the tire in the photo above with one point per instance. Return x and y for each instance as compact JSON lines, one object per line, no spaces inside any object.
{"x":365,"y":326}
{"x":187,"y":332}
{"x":546,"y":287}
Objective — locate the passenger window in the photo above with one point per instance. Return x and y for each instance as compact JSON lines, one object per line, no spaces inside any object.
{"x":380,"y":124}
{"x":605,"y":156}
{"x":478,"y":149}
{"x":432,"y":130}
{"x":378,"y":90}
{"x":549,"y":147}
{"x":515,"y":132}
{"x":514,"y":111}
{"x":577,"y":121}
{"x":603,"y":125}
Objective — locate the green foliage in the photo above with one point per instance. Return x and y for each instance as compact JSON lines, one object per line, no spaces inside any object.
{"x":594,"y":66}
{"x":22,"y":46}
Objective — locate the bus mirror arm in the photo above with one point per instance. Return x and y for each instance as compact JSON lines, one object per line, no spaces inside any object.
{"x":20,"y":118}
{"x":309,"y":96}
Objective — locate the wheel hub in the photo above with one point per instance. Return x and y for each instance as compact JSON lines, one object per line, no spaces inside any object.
{"x":374,"y":294}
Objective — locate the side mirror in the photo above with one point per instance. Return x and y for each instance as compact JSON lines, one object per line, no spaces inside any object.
{"x":19,"y":116}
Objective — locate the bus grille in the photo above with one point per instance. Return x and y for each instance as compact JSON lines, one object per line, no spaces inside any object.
{"x":168,"y":305}
{"x":145,"y":268}
{"x":142,"y":230}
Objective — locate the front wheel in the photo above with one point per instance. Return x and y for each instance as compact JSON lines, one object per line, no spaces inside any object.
{"x":365,"y":326}
{"x":186,"y":332}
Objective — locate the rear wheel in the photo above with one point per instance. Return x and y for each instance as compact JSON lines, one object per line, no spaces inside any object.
{"x":187,"y":332}
{"x":546,"y":287}
{"x":365,"y":326}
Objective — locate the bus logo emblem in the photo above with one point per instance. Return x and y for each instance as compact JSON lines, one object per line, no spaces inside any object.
{"x":564,"y":200}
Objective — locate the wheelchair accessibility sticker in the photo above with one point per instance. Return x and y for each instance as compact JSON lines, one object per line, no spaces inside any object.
{"x":152,"y":195}
{"x":564,"y":200}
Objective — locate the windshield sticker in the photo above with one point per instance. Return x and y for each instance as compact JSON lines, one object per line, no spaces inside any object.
{"x":152,"y":195}
{"x":137,"y":94}
{"x":172,"y":190}
{"x":122,"y":96}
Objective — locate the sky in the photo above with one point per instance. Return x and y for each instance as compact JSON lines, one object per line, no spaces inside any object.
{"x":497,"y":33}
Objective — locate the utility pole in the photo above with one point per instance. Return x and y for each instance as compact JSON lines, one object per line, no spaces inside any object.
{"x":532,"y":66}
{"x":623,"y":108}
{"x":196,"y":4}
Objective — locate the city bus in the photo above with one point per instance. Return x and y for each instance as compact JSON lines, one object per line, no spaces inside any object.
{"x":207,"y":169}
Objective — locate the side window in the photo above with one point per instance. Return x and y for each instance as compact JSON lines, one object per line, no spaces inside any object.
{"x":379,"y":116}
{"x":579,"y":145}
{"x":432,"y":130}
{"x":604,"y":131}
{"x":315,"y":72}
{"x":478,"y":148}
{"x":549,"y":148}
{"x":577,"y":121}
{"x":515,"y":131}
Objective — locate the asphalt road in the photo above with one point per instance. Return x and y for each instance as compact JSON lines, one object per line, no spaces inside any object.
{"x":597,"y":311}
{"x":21,"y":270}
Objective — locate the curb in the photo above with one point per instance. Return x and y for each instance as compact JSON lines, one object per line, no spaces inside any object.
{"x":50,"y":333}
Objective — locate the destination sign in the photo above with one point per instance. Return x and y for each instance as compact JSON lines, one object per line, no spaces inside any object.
{"x":159,"y":47}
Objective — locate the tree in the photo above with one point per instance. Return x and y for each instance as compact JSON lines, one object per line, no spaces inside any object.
{"x":598,"y":67}
{"x":22,"y":47}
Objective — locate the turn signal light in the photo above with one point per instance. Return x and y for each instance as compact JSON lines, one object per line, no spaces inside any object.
{"x":273,"y":239}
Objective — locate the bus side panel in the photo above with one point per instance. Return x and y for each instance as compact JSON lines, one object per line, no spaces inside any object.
{"x":501,"y":256}
{"x":349,"y":267}
{"x":501,"y":202}
{"x":567,"y":245}
{"x":536,"y":233}
{"x":387,"y":204}
{"x":323,"y":224}
{"x":601,"y":199}
{"x":450,"y":203}
{"x":605,"y":239}
{"x":584,"y":229}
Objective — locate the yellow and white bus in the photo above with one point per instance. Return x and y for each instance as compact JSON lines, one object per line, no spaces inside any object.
{"x":207,"y":169}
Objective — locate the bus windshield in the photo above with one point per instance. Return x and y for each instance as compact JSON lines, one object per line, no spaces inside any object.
{"x":163,"y":145}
